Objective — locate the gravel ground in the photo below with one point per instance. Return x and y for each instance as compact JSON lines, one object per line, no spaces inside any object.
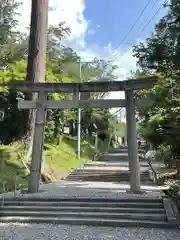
{"x":89,"y":190}
{"x":64,"y":188}
{"x":65,"y":232}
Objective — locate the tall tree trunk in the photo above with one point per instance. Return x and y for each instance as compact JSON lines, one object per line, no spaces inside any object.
{"x":36,"y":58}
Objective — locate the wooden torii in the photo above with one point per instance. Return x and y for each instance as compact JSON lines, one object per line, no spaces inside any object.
{"x":42,"y":104}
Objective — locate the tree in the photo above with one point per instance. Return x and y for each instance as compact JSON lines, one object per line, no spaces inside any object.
{"x":8,"y":10}
{"x":160,"y":54}
{"x":55,"y":35}
{"x":8,"y":23}
{"x":161,"y":50}
{"x":62,"y":66}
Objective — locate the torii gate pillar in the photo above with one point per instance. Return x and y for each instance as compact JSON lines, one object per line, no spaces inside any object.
{"x":134,"y":166}
{"x":44,"y":88}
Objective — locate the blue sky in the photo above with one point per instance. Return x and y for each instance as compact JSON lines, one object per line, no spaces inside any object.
{"x":110,"y":20}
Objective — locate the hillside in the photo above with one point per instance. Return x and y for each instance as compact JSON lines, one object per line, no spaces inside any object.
{"x":59,"y":161}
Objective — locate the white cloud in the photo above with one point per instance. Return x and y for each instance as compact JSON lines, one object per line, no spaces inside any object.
{"x":72,"y":13}
{"x":123,"y":59}
{"x":60,"y":10}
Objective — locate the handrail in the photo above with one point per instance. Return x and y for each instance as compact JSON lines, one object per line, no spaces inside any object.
{"x":155,"y":176}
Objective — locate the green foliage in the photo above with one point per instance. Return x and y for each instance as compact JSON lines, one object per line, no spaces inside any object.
{"x":8,"y":12}
{"x":160,"y":53}
{"x":62,"y":66}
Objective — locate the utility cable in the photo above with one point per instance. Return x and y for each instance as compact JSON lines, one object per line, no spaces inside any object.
{"x":132,"y":27}
{"x":153,"y":16}
{"x":146,"y":25}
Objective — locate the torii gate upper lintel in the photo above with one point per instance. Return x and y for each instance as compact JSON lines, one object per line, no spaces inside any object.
{"x":101,"y":86}
{"x":42,"y":104}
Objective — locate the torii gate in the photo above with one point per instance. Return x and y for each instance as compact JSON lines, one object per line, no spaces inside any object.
{"x":42,"y":104}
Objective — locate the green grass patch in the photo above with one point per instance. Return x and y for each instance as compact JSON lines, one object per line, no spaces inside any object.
{"x":59,"y":161}
{"x":12,"y":171}
{"x":62,"y":159}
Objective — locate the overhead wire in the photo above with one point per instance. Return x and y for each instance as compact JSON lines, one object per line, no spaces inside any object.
{"x":149,"y":12}
{"x":135,"y":23}
{"x":141,"y":24}
{"x":133,"y":26}
{"x":146,"y":25}
{"x":154,"y":15}
{"x":115,"y":53}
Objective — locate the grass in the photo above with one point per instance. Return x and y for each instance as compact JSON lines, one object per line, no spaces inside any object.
{"x":12,"y":171}
{"x":62,"y":159}
{"x":59,"y":160}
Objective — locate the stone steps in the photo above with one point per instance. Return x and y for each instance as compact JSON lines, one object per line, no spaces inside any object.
{"x":105,"y":171}
{"x":104,"y":179}
{"x":104,"y":175}
{"x":114,"y":164}
{"x":104,"y":222}
{"x":82,"y":214}
{"x":118,"y":156}
{"x":60,"y":203}
{"x":85,"y":211}
{"x":113,"y":157}
{"x":129,"y":210}
{"x":124,"y":149}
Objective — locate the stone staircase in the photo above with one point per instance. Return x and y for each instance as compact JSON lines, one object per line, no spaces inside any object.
{"x":123,"y":148}
{"x":115,"y":169}
{"x":119,"y":155}
{"x":105,"y":175}
{"x":80,"y":208}
{"x":125,"y":212}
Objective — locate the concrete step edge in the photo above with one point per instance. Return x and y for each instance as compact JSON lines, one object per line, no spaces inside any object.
{"x":124,"y":204}
{"x":90,"y":221}
{"x":79,"y":208}
{"x":126,"y":199}
{"x":155,"y":217}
